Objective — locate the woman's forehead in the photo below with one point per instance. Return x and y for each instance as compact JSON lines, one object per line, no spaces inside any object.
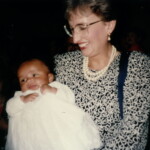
{"x":81,"y":18}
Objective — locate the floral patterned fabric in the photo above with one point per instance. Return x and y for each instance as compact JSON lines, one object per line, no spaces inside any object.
{"x":100,"y":100}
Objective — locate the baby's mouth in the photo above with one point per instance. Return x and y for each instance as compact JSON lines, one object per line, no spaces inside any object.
{"x":33,"y":87}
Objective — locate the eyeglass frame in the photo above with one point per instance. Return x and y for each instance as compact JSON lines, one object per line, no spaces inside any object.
{"x":86,"y":27}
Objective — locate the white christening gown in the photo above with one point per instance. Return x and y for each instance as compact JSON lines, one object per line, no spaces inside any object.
{"x":51,"y":122}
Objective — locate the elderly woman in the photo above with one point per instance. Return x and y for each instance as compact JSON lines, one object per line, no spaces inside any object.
{"x":112,"y":87}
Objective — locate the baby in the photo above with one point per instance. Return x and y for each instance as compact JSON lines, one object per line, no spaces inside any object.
{"x":43,"y":115}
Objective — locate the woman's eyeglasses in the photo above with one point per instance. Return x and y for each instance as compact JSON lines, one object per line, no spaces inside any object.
{"x":80,"y":28}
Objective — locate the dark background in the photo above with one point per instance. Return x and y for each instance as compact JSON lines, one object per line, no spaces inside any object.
{"x":31,"y":27}
{"x":34,"y":28}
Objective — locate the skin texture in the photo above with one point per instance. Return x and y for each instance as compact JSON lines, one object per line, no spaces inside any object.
{"x":33,"y":75}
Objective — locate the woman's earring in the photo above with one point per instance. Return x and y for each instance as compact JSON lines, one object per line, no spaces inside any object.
{"x":109,"y":38}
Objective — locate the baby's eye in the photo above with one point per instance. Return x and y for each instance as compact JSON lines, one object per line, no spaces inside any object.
{"x":23,"y":80}
{"x":35,"y":75}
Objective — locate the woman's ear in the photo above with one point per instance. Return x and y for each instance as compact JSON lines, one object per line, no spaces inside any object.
{"x":111,"y":26}
{"x":50,"y":77}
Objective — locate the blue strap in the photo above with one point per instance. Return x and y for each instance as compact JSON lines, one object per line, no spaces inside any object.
{"x":121,"y":79}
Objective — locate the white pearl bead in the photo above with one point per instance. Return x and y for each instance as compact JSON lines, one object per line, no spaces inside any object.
{"x":94,"y":76}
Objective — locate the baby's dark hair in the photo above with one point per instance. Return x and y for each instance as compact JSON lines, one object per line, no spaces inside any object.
{"x":48,"y":63}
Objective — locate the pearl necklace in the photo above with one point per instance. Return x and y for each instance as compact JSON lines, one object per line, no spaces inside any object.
{"x":94,"y":76}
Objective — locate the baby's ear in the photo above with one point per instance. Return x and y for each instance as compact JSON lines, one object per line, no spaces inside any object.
{"x":50,"y":77}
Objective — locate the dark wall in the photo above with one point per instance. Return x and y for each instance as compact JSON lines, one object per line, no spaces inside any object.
{"x":30,"y":27}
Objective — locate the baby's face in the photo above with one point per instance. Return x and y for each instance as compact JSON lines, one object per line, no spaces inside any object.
{"x":32,"y":75}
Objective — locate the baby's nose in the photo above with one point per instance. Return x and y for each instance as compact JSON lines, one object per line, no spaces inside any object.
{"x":30,"y":79}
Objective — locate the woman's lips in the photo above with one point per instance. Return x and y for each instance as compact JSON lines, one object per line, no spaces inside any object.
{"x":82,"y":48}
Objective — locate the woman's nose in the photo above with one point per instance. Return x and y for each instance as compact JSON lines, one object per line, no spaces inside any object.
{"x":76,"y":37}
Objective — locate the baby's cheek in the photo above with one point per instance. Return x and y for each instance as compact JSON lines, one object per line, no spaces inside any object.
{"x":24,"y":88}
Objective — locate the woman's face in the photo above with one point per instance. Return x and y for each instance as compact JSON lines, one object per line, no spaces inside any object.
{"x":93,"y":40}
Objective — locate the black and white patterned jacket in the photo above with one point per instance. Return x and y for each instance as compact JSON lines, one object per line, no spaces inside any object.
{"x":100,"y":100}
